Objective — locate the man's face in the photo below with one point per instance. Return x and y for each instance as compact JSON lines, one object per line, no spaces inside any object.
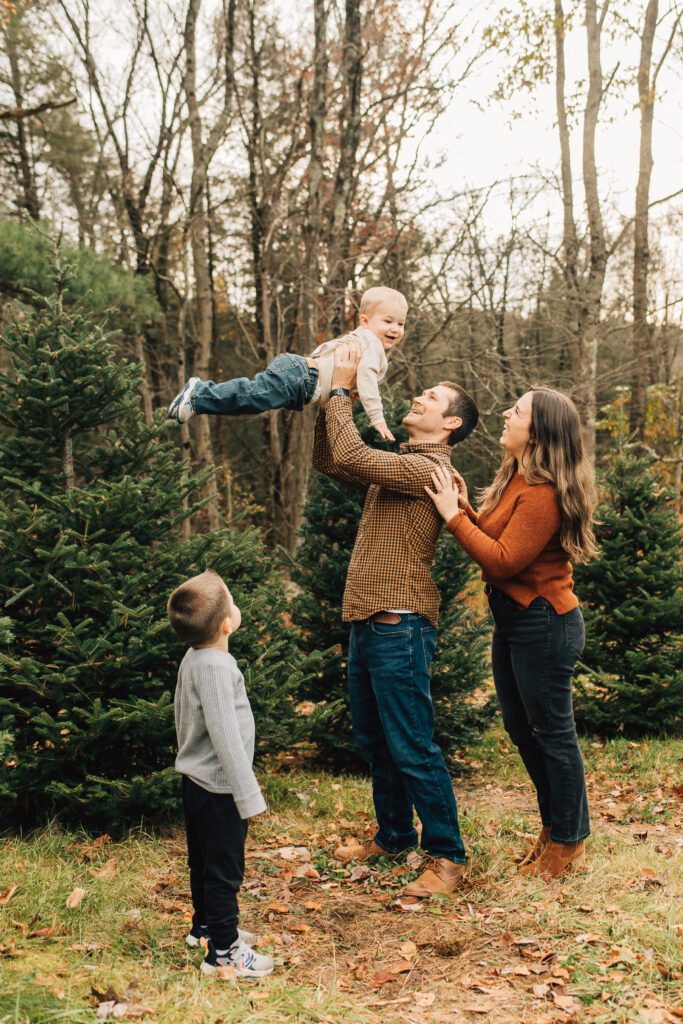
{"x":427,"y":416}
{"x":387,"y":322}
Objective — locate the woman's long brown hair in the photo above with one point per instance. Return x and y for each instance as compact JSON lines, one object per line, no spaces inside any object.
{"x":556,"y":456}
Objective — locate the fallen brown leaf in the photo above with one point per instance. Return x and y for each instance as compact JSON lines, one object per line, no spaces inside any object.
{"x":108,"y":871}
{"x":566,"y":1003}
{"x":424,"y":998}
{"x":408,"y":950}
{"x":75,"y":898}
{"x":382,"y":978}
{"x":7,"y":895}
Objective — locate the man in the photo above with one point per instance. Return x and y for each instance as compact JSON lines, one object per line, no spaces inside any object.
{"x":392,"y":604}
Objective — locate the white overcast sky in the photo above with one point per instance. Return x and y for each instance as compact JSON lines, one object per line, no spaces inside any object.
{"x":483,"y":140}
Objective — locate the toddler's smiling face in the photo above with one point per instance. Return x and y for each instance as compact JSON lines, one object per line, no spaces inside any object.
{"x":387,"y":321}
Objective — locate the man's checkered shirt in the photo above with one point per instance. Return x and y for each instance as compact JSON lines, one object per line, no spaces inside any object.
{"x":392,"y":558}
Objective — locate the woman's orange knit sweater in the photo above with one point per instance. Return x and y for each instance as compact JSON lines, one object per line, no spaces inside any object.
{"x":517,"y":544}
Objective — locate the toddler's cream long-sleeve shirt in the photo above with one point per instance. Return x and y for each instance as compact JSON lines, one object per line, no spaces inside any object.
{"x":372,"y":369}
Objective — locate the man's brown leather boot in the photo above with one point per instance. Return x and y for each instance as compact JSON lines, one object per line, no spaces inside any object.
{"x":555,"y":860}
{"x":440,"y":876}
{"x":360,"y":851}
{"x":537,"y":849}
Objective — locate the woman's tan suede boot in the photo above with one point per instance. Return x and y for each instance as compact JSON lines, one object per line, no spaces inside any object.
{"x":555,"y":860}
{"x":537,"y":849}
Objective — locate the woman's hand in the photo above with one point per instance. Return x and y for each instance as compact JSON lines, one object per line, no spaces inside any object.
{"x":462,"y":489}
{"x":446,"y":494}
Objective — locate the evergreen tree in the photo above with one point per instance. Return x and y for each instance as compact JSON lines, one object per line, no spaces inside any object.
{"x":632,"y":678}
{"x":91,"y":504}
{"x":460,"y":665}
{"x":27,"y":273}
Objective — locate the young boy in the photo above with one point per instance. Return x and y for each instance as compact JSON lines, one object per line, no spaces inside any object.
{"x":215,"y":729}
{"x":292,"y":381}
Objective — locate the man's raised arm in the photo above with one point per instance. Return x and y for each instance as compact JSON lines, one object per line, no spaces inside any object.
{"x":405,"y":473}
{"x":322,"y":454}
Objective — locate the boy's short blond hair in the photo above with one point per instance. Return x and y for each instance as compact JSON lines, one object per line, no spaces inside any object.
{"x":197,"y":607}
{"x":374,"y":297}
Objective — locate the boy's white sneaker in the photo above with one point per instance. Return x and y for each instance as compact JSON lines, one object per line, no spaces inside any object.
{"x":199,"y":932}
{"x":242,"y":957}
{"x":181,"y":408}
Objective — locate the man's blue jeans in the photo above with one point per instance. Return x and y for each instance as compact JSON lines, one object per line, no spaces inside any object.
{"x":288,"y":382}
{"x":393,"y":723}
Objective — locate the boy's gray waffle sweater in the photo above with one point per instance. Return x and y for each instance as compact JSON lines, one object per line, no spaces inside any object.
{"x":215,"y":728}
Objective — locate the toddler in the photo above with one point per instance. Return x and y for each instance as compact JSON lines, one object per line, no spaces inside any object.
{"x":292,"y":381}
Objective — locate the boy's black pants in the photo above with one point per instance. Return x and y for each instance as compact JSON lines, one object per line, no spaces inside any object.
{"x":215,"y":854}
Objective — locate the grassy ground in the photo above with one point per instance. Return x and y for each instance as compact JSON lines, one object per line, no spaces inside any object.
{"x":603,"y":945}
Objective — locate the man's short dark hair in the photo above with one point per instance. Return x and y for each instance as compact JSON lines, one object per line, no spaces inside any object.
{"x":197,"y":607}
{"x":463,"y":405}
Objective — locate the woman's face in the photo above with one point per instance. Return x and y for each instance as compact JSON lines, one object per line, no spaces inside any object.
{"x":517,"y":429}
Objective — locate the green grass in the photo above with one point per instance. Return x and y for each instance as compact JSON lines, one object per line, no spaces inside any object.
{"x":335,"y":937}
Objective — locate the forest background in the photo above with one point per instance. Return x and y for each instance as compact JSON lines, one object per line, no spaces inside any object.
{"x":192,"y":188}
{"x":256,"y":165}
{"x":226,"y":178}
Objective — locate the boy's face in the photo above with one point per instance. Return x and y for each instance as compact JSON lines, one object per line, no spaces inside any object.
{"x":234,"y":616}
{"x":387,"y":321}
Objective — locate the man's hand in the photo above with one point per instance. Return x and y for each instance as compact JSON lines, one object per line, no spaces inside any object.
{"x":346,"y":360}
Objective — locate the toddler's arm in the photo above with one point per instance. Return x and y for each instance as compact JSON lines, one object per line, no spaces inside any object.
{"x":367,"y":381}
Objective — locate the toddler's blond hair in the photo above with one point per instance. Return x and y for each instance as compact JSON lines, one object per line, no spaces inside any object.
{"x":374,"y":297}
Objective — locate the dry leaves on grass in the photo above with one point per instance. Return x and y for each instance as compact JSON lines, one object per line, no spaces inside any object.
{"x":7,"y":895}
{"x":93,"y":849}
{"x":126,"y":1006}
{"x":75,"y":898}
{"x":647,"y":879}
{"x":106,"y":872}
{"x":41,"y":933}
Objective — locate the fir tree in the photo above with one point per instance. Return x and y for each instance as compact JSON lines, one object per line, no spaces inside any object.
{"x":460,"y":666}
{"x":91,"y":504}
{"x":631,"y":680}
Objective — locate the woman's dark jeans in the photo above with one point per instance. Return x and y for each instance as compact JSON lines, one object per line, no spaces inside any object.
{"x":534,"y":655}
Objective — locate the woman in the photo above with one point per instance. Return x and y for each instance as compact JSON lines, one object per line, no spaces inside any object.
{"x":533,"y":519}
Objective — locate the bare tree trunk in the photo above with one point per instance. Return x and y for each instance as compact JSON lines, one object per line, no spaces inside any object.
{"x":593,"y":288}
{"x":68,"y":461}
{"x":344,"y":184}
{"x":294,"y":430}
{"x":570,"y":246}
{"x":314,"y":212}
{"x":145,"y":389}
{"x":202,"y":153}
{"x":185,"y":446}
{"x":27,"y":175}
{"x":642,"y":334}
{"x":641,"y":251}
